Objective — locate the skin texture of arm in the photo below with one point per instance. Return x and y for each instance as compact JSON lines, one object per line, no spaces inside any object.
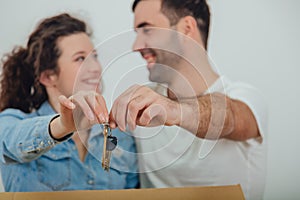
{"x":219,"y":116}
{"x":211,"y":116}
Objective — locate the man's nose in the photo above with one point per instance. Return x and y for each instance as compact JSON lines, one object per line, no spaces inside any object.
{"x":139,"y":43}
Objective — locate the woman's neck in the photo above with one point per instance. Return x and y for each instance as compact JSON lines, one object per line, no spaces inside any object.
{"x":80,"y":140}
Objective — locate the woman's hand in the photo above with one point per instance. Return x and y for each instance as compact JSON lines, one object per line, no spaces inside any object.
{"x":79,"y":112}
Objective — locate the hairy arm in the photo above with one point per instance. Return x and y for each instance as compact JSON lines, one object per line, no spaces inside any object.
{"x":210,"y":116}
{"x":215,"y":115}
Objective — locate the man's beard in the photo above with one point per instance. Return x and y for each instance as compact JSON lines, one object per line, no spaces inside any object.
{"x":165,"y":67}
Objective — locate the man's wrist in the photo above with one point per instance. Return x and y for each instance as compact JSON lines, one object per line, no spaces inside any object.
{"x":189,"y":116}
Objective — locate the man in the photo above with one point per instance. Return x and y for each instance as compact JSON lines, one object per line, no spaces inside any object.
{"x":215,"y":129}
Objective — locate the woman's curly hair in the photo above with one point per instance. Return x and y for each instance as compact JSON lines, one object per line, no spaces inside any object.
{"x":21,"y":69}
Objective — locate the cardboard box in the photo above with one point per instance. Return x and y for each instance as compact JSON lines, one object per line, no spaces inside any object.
{"x":205,"y":193}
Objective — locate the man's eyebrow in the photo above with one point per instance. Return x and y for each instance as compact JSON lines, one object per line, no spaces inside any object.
{"x":141,"y":25}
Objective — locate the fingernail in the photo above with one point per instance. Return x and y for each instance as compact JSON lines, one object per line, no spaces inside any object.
{"x":72,"y":105}
{"x":101,"y":117}
{"x":123,"y":129}
{"x":106,"y":118}
{"x":112,"y":125}
{"x":91,"y":116}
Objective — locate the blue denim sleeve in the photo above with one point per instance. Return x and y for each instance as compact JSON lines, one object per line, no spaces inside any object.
{"x":23,"y":138}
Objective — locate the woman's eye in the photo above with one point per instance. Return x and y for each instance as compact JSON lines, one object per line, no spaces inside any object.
{"x":80,"y":59}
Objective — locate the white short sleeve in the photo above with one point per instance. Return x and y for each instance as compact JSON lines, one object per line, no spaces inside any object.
{"x":254,"y":100}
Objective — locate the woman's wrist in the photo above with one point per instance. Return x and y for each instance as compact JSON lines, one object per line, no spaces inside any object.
{"x":57,"y":131}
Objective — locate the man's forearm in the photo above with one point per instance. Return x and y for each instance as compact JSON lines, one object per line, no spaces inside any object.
{"x":215,"y":116}
{"x":209,"y":116}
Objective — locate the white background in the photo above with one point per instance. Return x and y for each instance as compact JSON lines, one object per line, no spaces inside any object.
{"x":255,"y":41}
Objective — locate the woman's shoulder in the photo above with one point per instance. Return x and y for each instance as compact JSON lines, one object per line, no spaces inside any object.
{"x":44,"y":109}
{"x":11,"y":112}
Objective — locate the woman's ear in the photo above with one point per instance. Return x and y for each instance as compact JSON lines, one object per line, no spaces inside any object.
{"x":48,"y":78}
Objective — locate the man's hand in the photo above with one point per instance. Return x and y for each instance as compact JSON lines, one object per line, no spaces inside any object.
{"x":140,"y":105}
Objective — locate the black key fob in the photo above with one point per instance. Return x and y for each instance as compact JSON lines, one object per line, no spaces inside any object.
{"x":112,"y":142}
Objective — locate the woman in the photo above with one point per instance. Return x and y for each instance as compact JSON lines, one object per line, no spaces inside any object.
{"x":41,"y":150}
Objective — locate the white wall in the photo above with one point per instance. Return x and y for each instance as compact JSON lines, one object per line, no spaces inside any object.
{"x":258,"y":41}
{"x":255,"y":41}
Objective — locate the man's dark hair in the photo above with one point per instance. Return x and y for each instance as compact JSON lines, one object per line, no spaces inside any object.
{"x":177,"y":9}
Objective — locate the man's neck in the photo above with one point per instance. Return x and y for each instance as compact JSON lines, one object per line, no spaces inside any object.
{"x":192,"y":81}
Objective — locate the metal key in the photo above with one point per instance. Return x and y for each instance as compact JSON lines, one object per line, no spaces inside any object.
{"x":109,"y":144}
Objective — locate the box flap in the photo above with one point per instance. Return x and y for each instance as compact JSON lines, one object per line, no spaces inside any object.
{"x":206,"y":193}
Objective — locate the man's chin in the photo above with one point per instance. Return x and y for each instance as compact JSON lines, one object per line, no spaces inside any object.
{"x":156,"y":74}
{"x":158,"y":78}
{"x":150,"y":66}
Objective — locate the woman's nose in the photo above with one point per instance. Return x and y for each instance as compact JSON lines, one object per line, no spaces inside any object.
{"x":93,"y":64}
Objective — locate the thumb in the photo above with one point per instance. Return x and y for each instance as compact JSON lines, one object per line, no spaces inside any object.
{"x":154,"y":115}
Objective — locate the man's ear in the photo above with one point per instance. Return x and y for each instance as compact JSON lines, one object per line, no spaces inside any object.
{"x":188,"y":26}
{"x":48,"y":78}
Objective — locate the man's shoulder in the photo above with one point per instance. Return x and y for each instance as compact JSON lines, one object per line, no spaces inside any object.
{"x":234,"y":89}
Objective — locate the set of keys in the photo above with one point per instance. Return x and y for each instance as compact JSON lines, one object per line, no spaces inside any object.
{"x":109,"y":144}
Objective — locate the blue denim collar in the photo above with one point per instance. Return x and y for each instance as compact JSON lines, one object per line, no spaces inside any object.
{"x":45,"y":109}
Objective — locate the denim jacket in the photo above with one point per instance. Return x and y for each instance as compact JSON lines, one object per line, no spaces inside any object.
{"x":31,"y":160}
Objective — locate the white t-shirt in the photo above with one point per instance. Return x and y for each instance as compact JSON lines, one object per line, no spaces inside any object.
{"x":174,"y":157}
